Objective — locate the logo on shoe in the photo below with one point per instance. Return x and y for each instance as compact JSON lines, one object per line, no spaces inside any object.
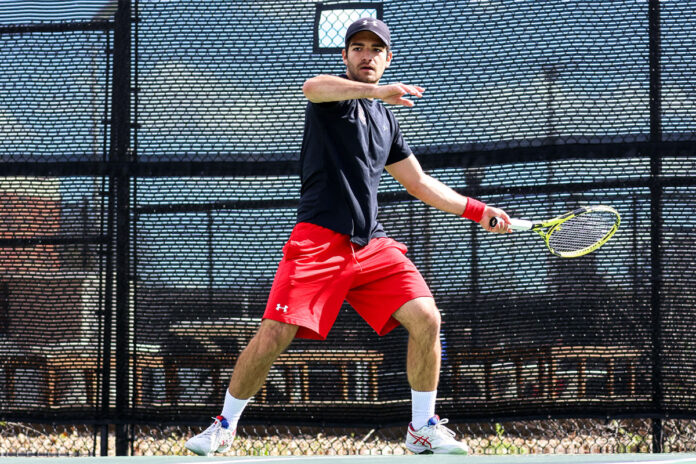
{"x":420,"y":440}
{"x":279,"y":307}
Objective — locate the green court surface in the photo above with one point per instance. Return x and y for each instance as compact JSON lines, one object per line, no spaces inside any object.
{"x":432,"y":459}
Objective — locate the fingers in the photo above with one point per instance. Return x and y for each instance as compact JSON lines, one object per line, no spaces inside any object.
{"x":404,"y":89}
{"x":506,"y":219}
{"x":413,"y":90}
{"x":496,"y":220}
{"x":405,"y":102}
{"x":497,"y":225}
{"x":502,"y":226}
{"x":394,"y":93}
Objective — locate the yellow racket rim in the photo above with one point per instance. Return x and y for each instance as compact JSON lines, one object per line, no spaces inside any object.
{"x":589,"y":249}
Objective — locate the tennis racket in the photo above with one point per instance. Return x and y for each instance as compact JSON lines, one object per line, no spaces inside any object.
{"x":576,"y":233}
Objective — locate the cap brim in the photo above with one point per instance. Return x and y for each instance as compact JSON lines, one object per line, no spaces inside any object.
{"x":383,"y":39}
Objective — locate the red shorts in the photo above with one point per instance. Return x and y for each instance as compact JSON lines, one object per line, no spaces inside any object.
{"x":322,"y":268}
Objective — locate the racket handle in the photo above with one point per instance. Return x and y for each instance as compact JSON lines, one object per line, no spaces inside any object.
{"x":515,"y":224}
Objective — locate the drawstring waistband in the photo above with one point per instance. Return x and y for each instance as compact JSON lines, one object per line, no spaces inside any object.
{"x":355,"y":257}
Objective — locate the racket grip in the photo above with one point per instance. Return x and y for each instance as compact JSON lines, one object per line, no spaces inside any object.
{"x":515,"y":224}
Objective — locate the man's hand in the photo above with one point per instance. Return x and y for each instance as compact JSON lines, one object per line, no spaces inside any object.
{"x":394,"y":93}
{"x":502,"y":227}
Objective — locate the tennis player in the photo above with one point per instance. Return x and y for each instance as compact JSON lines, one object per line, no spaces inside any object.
{"x":339,"y":251}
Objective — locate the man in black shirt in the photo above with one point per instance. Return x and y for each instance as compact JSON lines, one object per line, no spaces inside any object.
{"x":339,"y":251}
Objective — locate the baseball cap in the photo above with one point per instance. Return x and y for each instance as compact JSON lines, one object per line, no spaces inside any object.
{"x":369,"y":24}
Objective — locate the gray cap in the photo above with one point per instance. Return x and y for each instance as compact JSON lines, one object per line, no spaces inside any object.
{"x":369,"y":24}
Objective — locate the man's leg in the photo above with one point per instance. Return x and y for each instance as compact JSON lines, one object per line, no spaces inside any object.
{"x":421,"y":318}
{"x":426,"y":433}
{"x":253,"y":364}
{"x":256,"y":359}
{"x":249,"y":374}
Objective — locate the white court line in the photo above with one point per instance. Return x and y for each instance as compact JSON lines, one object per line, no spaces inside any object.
{"x":289,"y":459}
{"x":254,"y":459}
{"x":668,"y":461}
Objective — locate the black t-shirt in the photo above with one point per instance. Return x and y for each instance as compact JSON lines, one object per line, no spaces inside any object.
{"x":345,"y":148}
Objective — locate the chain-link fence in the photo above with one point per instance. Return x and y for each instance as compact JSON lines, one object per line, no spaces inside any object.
{"x":149,"y":181}
{"x":562,"y":436}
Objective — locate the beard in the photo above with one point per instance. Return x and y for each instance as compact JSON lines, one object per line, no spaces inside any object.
{"x":356,"y":74}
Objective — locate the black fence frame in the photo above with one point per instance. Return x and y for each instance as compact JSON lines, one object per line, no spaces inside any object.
{"x":121,"y":166}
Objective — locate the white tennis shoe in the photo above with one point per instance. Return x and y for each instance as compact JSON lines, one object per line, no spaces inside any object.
{"x":434,"y":438}
{"x":215,"y":439}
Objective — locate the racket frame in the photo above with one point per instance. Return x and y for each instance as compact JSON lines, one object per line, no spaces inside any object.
{"x":547,"y":228}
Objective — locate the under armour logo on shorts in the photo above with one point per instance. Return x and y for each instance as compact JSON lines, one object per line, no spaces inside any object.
{"x":282,"y":308}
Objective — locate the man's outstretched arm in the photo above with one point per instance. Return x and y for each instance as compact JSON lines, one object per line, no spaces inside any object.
{"x":433,"y":192}
{"x":328,"y":88}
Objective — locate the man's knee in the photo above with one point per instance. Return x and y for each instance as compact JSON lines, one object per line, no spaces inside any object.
{"x":430,"y":321}
{"x":420,"y":315}
{"x":275,"y":336}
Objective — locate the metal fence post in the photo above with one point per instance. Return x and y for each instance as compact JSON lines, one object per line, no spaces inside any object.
{"x":119,"y":156}
{"x":656,"y":216}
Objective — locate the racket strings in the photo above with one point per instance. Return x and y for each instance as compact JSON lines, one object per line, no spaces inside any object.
{"x":583,"y":231}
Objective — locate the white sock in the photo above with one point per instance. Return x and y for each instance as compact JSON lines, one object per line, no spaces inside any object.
{"x":232,"y":409}
{"x":422,"y":407}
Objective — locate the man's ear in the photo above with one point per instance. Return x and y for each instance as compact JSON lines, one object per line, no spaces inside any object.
{"x":389,"y":58}
{"x":344,"y":56}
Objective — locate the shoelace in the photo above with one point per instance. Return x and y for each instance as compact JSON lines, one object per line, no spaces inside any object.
{"x":210,"y":430}
{"x":441,"y":426}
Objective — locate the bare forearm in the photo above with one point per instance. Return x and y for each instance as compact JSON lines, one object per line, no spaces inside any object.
{"x":327,"y":88}
{"x":438,"y":195}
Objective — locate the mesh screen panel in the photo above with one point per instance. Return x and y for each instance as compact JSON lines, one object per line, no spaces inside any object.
{"x":52,"y":292}
{"x":494,"y":72}
{"x":150,"y":265}
{"x":679,"y":93}
{"x":53,"y":91}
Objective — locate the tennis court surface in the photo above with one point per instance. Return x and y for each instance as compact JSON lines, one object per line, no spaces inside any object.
{"x":431,"y":459}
